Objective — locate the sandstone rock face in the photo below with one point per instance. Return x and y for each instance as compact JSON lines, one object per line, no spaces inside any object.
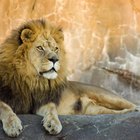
{"x":100,"y":127}
{"x":97,"y":33}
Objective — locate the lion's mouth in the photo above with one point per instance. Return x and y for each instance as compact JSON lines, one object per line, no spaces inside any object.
{"x":49,"y":74}
{"x":48,"y":71}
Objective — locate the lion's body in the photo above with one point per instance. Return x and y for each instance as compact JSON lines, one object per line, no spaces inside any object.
{"x":33,"y":80}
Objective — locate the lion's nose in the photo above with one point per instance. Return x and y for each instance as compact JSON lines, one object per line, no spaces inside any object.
{"x":53,"y":59}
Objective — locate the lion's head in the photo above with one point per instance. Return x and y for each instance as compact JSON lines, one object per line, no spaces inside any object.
{"x":36,"y":49}
{"x":45,"y":56}
{"x":32,"y":66}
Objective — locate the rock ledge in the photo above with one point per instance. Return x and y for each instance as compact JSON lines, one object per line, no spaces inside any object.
{"x":100,"y":127}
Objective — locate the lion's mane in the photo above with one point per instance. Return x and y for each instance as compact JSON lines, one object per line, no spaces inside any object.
{"x":25,"y":93}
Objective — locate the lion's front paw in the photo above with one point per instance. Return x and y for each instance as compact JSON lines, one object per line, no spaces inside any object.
{"x":12,"y":125}
{"x":52,"y":124}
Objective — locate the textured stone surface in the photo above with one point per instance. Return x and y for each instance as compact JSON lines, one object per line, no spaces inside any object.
{"x":101,"y":127}
{"x":103,"y":32}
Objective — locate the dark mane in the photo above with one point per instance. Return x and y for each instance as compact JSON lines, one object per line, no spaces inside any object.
{"x":26,"y":92}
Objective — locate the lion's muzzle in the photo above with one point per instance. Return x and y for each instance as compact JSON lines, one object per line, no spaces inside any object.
{"x":51,"y":73}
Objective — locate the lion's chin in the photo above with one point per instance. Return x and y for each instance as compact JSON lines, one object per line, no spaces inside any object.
{"x":50,"y":75}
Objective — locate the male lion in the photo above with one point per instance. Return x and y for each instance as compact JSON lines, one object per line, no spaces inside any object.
{"x":33,"y":80}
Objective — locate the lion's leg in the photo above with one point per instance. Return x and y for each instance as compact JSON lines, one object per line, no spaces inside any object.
{"x":96,"y":109}
{"x":91,"y":108}
{"x":101,"y":97}
{"x":50,"y":121}
{"x":112,"y":101}
{"x":11,"y":123}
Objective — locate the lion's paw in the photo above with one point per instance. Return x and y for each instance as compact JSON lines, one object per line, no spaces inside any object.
{"x":12,"y":126}
{"x":52,"y":124}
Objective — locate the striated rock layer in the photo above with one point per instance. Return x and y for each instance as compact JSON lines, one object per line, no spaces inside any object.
{"x":97,"y":33}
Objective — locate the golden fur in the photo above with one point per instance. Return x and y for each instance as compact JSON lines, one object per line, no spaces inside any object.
{"x":33,"y":80}
{"x":18,"y":73}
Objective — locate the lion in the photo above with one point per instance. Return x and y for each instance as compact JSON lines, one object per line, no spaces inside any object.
{"x":33,"y":79}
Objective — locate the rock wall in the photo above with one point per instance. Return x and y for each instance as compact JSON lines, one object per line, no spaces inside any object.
{"x":97,"y":33}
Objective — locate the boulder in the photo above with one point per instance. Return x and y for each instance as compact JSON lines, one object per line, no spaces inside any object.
{"x":80,"y":127}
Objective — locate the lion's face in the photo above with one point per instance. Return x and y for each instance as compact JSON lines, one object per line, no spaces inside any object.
{"x":44,"y":56}
{"x":45,"y":52}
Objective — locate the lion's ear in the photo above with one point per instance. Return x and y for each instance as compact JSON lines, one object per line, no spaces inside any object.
{"x":61,"y":34}
{"x":27,"y":35}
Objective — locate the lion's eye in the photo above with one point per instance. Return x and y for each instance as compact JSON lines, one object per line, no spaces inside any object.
{"x":40,"y":48}
{"x":56,"y":49}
